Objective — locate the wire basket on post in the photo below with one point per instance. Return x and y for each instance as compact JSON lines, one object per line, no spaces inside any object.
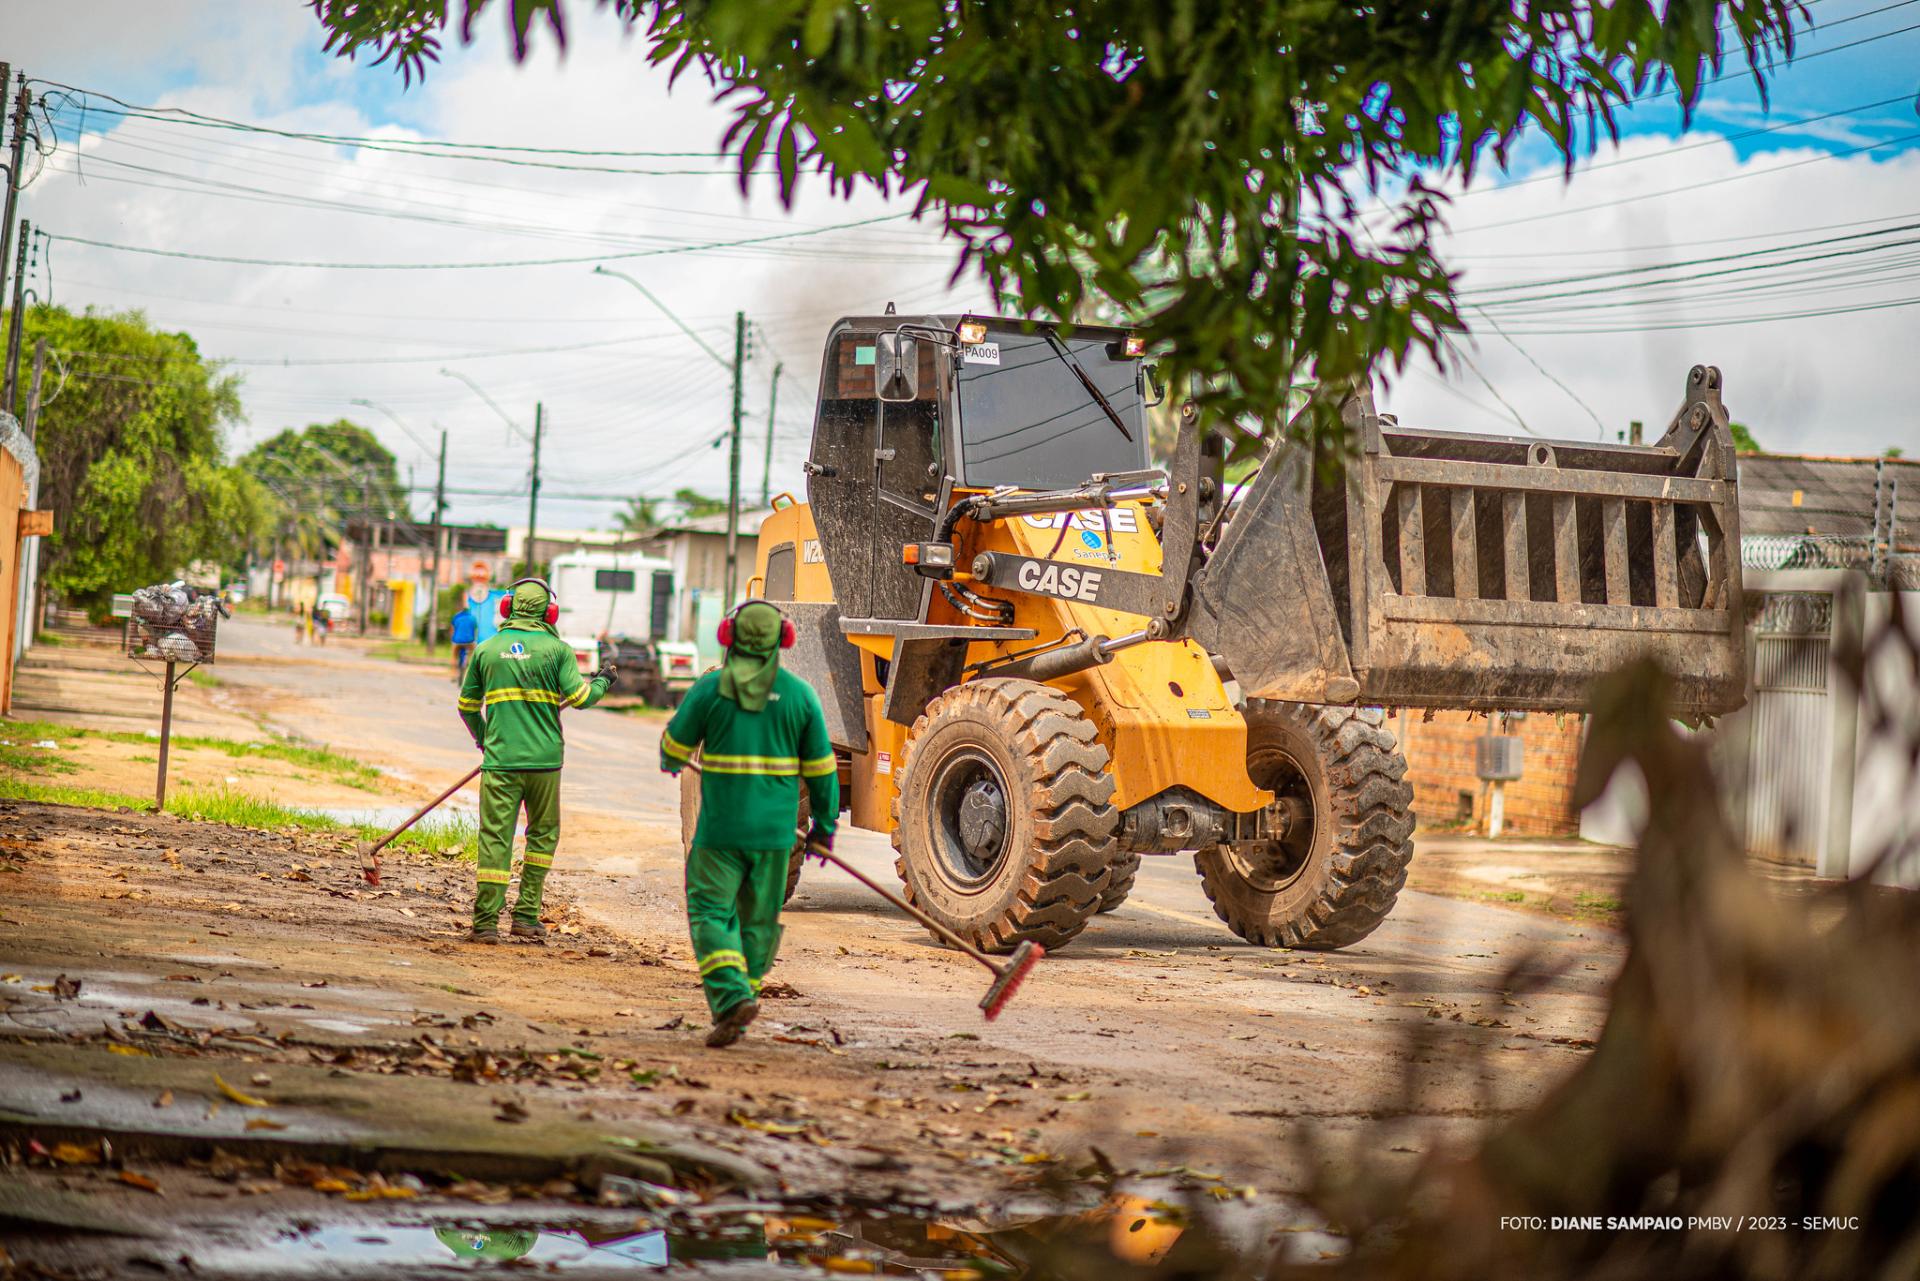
{"x":189,"y":640}
{"x":167,"y":623}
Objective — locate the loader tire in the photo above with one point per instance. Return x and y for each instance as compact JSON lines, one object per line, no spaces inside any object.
{"x":1120,"y":878}
{"x":1004,"y":823}
{"x":690,"y":822}
{"x":1339,"y":774}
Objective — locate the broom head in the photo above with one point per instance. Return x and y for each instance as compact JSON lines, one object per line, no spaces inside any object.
{"x":1024,"y":958}
{"x":369,"y":863}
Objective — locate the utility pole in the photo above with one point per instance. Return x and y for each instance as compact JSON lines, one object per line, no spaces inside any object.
{"x":16,"y":321}
{"x":733,"y":459}
{"x":365,"y":557}
{"x":533,"y":491}
{"x":433,"y":578}
{"x":766,"y":470}
{"x":17,"y":156}
{"x":33,"y":388}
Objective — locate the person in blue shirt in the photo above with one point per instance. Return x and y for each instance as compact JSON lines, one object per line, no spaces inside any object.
{"x":483,"y":602}
{"x":463,"y":642}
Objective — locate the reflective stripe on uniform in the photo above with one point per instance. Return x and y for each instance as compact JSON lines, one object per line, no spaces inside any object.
{"x":469,"y":704}
{"x":674,"y":748}
{"x":493,"y":875}
{"x":520,"y":694}
{"x":723,"y":959}
{"x":819,"y":767}
{"x":579,"y":696}
{"x":539,"y":860}
{"x":782,"y":766}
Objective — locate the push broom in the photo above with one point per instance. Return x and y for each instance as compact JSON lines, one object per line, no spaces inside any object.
{"x":370,"y":850}
{"x":1006,"y":978}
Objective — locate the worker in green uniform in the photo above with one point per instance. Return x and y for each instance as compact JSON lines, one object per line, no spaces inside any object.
{"x":760,"y":733}
{"x":510,"y":698}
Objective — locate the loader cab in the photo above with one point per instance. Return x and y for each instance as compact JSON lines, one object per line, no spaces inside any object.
{"x":913,"y":406}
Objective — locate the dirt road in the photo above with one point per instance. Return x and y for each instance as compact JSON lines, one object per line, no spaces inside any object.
{"x":1183,"y":1037}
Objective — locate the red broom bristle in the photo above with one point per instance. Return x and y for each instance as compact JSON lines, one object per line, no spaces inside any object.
{"x":1025,"y":957}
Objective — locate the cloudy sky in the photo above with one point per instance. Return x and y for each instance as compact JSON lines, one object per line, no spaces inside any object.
{"x":1817,"y":341}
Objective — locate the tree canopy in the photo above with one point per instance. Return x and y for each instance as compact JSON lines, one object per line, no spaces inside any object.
{"x":1225,"y":176}
{"x":325,"y":474}
{"x":132,"y":455}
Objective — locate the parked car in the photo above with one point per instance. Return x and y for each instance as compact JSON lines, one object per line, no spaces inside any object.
{"x":657,"y":671}
{"x":334,"y":606}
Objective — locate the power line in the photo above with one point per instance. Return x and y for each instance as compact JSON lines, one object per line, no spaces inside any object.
{"x":1689,"y":188}
{"x":474,"y":266}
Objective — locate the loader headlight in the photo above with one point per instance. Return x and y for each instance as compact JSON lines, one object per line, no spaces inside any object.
{"x":1132,"y":347}
{"x":930,"y":560}
{"x":971,"y":331}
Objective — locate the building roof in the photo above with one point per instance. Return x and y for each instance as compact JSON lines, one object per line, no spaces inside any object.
{"x":1787,"y":494}
{"x":750,"y":522}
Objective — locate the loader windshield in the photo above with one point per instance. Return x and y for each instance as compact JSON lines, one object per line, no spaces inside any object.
{"x":1026,"y":419}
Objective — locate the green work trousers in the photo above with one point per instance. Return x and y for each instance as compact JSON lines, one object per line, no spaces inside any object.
{"x":503,"y":793}
{"x":733,"y":913}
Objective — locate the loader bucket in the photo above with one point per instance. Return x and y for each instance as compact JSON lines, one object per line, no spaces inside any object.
{"x":1484,"y":572}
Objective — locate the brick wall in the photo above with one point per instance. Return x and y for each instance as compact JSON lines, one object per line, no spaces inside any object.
{"x":1446,"y":790}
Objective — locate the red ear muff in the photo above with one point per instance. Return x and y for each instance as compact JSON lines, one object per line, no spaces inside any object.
{"x":553,"y":612}
{"x":787,"y":634}
{"x":506,"y":605}
{"x":726,"y":632}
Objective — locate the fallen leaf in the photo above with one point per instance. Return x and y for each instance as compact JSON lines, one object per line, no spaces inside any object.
{"x":165,"y":1100}
{"x":65,"y":989}
{"x":76,"y":1153}
{"x":510,"y":1110}
{"x":141,"y":1181}
{"x":677,"y":1021}
{"x":260,"y":1078}
{"x":746,"y":1122}
{"x":406,"y":911}
{"x":315,"y":983}
{"x":262,"y":1123}
{"x":244,"y":1100}
{"x":131,"y":1050}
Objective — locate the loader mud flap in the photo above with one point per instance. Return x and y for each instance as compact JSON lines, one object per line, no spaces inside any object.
{"x":1263,"y":602}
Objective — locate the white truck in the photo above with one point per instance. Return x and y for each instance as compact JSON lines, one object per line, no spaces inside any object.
{"x":619,"y":605}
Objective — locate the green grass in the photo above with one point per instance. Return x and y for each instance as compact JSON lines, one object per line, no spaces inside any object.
{"x":49,"y":639}
{"x":440,"y":837}
{"x":203,"y":678}
{"x":337,"y":768}
{"x":22,"y":789}
{"x":412,"y":651}
{"x":18,"y":754}
{"x":1597,"y":904}
{"x":1504,"y":896}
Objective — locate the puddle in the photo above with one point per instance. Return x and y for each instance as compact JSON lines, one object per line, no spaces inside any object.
{"x":460,"y":809}
{"x":759,"y":1239}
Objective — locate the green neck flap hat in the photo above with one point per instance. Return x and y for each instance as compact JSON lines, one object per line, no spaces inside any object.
{"x":753,"y":660}
{"x":529,"y":614}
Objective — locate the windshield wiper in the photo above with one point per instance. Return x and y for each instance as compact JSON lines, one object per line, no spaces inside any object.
{"x":1106,"y":407}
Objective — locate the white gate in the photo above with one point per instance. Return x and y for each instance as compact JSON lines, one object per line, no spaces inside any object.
{"x":1790,"y":725}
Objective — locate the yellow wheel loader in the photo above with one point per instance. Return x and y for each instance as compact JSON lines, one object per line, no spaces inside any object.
{"x":1042,"y":657}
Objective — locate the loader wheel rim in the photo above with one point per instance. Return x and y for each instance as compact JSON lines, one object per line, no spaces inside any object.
{"x":1271,"y":866}
{"x":969,"y":818}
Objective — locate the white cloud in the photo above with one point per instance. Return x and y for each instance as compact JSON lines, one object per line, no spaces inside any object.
{"x":1833,"y":385}
{"x":1838,"y":384}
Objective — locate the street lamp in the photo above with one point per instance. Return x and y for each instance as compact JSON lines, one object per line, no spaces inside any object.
{"x":533,"y":495}
{"x":734,"y":367}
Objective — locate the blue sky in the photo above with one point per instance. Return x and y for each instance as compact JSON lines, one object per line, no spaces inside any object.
{"x":1827,"y":387}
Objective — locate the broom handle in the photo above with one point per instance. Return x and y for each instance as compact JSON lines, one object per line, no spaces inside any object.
{"x":423,"y":811}
{"x":907,"y":907}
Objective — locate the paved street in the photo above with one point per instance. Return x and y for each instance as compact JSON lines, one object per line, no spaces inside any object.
{"x":1286,"y":1035}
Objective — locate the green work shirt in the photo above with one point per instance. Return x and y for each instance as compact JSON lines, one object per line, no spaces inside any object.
{"x":521,"y":677}
{"x":749,"y":762}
